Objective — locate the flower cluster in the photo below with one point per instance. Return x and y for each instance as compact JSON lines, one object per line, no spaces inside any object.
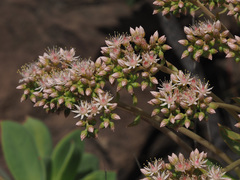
{"x":176,"y":7}
{"x":127,"y":55}
{"x":234,"y":8}
{"x":61,"y":81}
{"x":184,"y":169}
{"x":205,"y":39}
{"x":182,"y":99}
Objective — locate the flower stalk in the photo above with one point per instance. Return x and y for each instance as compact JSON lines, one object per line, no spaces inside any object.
{"x":154,"y":121}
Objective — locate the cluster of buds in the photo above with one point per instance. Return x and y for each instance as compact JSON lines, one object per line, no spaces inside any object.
{"x":176,"y":7}
{"x":233,"y":7}
{"x":182,"y":99}
{"x":205,"y":39}
{"x":60,"y":81}
{"x":125,"y":56}
{"x":180,"y":168}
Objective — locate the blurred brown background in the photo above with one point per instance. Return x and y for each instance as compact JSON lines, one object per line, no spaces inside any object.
{"x":28,"y":27}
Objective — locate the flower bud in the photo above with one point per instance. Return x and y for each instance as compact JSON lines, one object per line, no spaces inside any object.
{"x":52,"y":105}
{"x":46,"y":106}
{"x":88,"y":91}
{"x":199,"y":42}
{"x":230,"y":55}
{"x":90,"y":128}
{"x":161,"y":54}
{"x":237,"y":125}
{"x":155,"y":112}
{"x":33,"y":98}
{"x":165,"y":11}
{"x":211,"y":110}
{"x":23,"y":98}
{"x":153,"y":80}
{"x":81,"y":123}
{"x":165,"y":111}
{"x":153,"y":70}
{"x":124,"y":82}
{"x":145,"y":74}
{"x":203,"y":105}
{"x":68,"y":84}
{"x":237,"y":39}
{"x":190,"y":48}
{"x":205,"y":47}
{"x":21,"y":86}
{"x":187,"y":123}
{"x":184,"y":42}
{"x":162,"y":39}
{"x":173,"y":159}
{"x":102,"y":73}
{"x":111,"y":79}
{"x":201,"y":116}
{"x":180,"y":4}
{"x":80,"y":91}
{"x":187,"y":30}
{"x":233,"y":46}
{"x":111,"y":125}
{"x":119,"y":87}
{"x":174,"y":7}
{"x":191,"y":38}
{"x":54,"y":95}
{"x":114,"y":116}
{"x":60,"y":100}
{"x":189,"y":112}
{"x":164,"y":122}
{"x":225,"y":33}
{"x":179,"y":116}
{"x":166,"y":47}
{"x":144,"y":85}
{"x":116,"y":75}
{"x":83,"y":134}
{"x":73,"y":88}
{"x":185,"y":54}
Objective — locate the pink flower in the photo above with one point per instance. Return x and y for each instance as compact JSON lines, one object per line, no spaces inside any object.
{"x":83,"y":110}
{"x":103,"y":100}
{"x":153,"y":167}
{"x":198,"y":160}
{"x":67,"y":55}
{"x":215,"y":173}
{"x":133,"y":61}
{"x":168,"y":99}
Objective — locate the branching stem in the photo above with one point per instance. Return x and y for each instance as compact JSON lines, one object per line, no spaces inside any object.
{"x":154,"y":121}
{"x":232,"y":166}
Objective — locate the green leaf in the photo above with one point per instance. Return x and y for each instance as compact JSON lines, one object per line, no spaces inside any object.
{"x":66,"y":157}
{"x":101,"y":175}
{"x":231,"y":138}
{"x":88,"y":164}
{"x":20,"y":152}
{"x":41,"y":136}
